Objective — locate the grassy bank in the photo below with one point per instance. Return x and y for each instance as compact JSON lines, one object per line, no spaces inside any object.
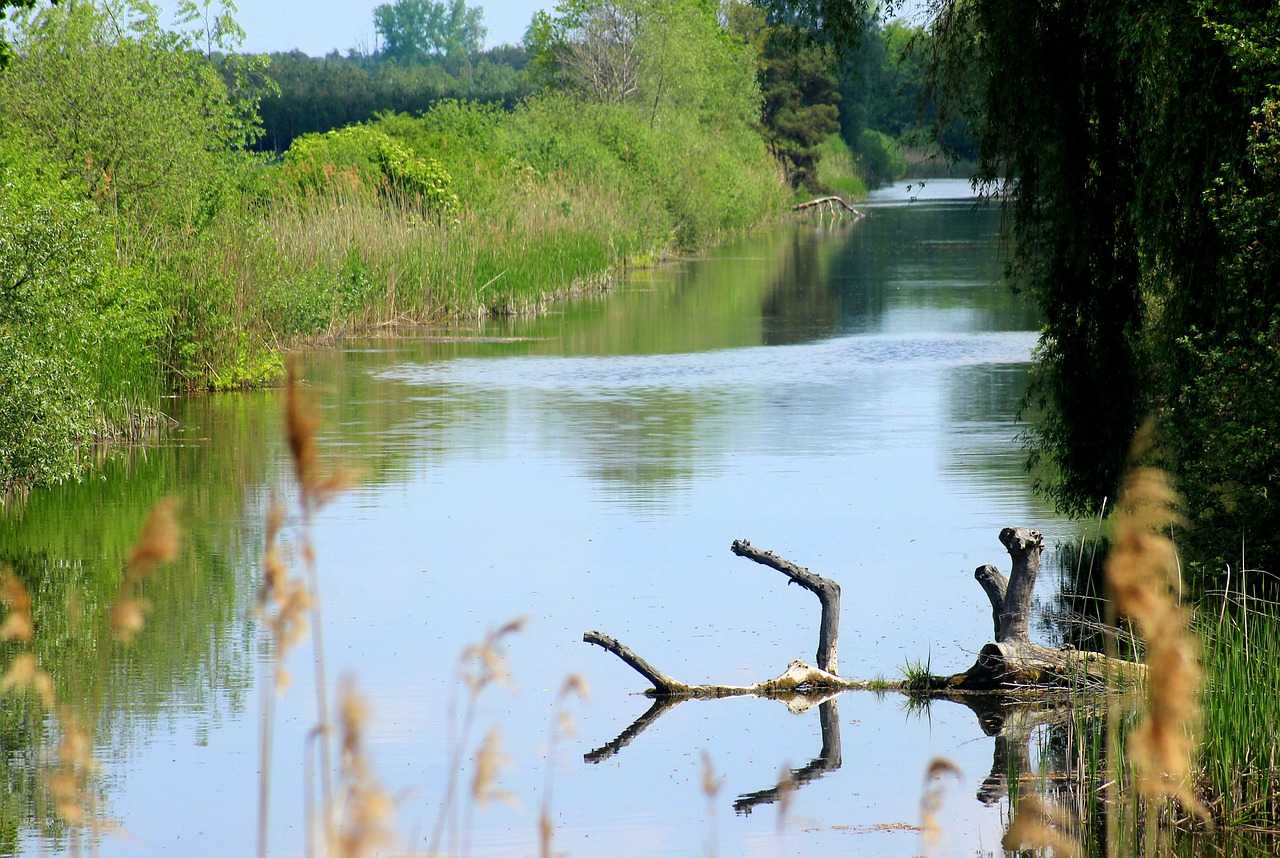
{"x":152,"y":252}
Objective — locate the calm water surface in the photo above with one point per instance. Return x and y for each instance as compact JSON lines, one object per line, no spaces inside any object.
{"x":843,"y":396}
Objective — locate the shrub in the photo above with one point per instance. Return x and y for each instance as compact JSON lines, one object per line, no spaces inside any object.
{"x":360,"y":156}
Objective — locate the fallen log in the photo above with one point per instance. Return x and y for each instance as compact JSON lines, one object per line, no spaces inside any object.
{"x":827,"y":591}
{"x":832,"y":203}
{"x":1009,"y":668}
{"x":799,"y":679}
{"x":1009,"y":664}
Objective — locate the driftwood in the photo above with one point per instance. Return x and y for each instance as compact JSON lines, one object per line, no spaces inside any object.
{"x":799,"y":679}
{"x":827,"y":591}
{"x":996,"y":688}
{"x":1010,"y":662}
{"x":832,"y":204}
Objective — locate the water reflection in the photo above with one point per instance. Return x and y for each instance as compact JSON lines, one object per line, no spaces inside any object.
{"x":843,"y":395}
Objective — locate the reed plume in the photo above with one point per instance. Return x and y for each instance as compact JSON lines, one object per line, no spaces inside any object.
{"x":68,"y":779}
{"x":302,"y":423}
{"x":366,"y":809}
{"x":157,"y":543}
{"x":1143,"y":578}
{"x":931,"y":799}
{"x":284,"y":601}
{"x":17,"y":624}
{"x":26,"y":673}
{"x":562,"y":725}
{"x":711,"y":785}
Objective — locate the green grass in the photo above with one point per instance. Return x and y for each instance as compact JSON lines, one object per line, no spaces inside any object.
{"x":916,"y":673}
{"x":1240,"y":756}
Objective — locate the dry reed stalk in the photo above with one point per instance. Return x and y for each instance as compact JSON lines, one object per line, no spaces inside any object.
{"x":1040,"y":825}
{"x":158,"y":543}
{"x":366,"y":809}
{"x":302,"y":422}
{"x":481,"y":666}
{"x":68,"y":778}
{"x":284,"y":602}
{"x":562,"y":725}
{"x":17,"y":624}
{"x":490,"y":761}
{"x":931,"y":799}
{"x":25,"y":672}
{"x":711,"y":786}
{"x":1143,"y":579}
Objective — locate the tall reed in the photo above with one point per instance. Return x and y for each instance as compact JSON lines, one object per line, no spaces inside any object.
{"x":1240,"y":757}
{"x":1144,"y":581}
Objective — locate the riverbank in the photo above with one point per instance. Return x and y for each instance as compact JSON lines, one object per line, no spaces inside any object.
{"x":463,"y":212}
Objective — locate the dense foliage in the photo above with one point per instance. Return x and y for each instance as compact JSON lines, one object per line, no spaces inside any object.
{"x":1140,"y":141}
{"x":800,"y":101}
{"x":146,"y":248}
{"x":414,"y":30}
{"x":318,"y":94}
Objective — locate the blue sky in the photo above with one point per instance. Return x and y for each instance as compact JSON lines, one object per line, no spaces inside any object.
{"x":319,"y":26}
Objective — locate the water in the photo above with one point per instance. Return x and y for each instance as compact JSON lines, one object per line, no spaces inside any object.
{"x":842,"y":395}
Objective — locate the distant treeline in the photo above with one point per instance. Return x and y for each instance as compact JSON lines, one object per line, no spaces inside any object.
{"x":874,"y":97}
{"x":320,"y":94}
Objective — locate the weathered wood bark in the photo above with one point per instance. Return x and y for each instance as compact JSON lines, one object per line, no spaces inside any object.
{"x":995,"y":585}
{"x":1012,"y":660}
{"x":1009,"y":663}
{"x":798,"y":681}
{"x":827,"y":591}
{"x":662,"y":684}
{"x":1024,"y":546}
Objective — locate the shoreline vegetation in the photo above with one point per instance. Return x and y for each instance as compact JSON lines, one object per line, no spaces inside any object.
{"x":147,"y":249}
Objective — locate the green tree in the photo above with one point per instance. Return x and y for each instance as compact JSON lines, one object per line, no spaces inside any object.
{"x":800,"y":101}
{"x":76,"y":331}
{"x":1136,"y":141}
{"x":592,"y":46}
{"x":6,"y":50}
{"x":417,"y":30}
{"x":154,"y":151}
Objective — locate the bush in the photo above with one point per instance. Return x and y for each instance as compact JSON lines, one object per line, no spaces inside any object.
{"x":75,"y":330}
{"x":879,"y":157}
{"x":361,"y":157}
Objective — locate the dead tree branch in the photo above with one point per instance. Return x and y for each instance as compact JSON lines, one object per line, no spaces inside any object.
{"x":827,"y":591}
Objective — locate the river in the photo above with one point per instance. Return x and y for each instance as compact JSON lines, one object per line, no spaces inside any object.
{"x":841,"y":394}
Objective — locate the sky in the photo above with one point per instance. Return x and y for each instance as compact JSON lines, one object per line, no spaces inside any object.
{"x":317,"y":27}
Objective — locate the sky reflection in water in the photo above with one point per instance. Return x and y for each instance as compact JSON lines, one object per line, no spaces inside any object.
{"x":844,"y":397}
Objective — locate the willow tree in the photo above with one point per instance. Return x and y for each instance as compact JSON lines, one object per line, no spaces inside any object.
{"x":1137,"y":143}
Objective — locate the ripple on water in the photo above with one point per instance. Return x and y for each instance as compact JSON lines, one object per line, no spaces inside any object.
{"x":827,"y":362}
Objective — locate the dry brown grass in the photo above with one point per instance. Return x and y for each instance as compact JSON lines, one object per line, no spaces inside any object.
{"x":158,"y":543}
{"x":1144,"y":579}
{"x":366,"y":811}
